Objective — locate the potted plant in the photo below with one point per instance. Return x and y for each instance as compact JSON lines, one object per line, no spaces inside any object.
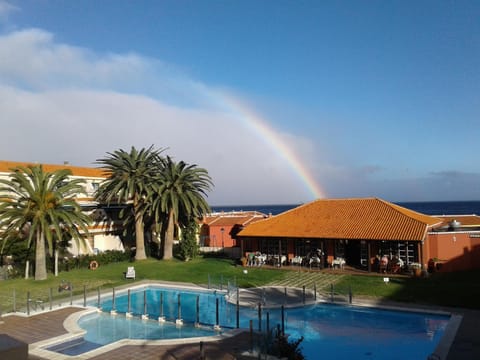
{"x":416,"y":269}
{"x":243,"y":261}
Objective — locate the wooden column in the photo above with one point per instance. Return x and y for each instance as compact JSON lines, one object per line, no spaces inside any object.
{"x":280,"y":252}
{"x":420,"y":253}
{"x":369,"y":257}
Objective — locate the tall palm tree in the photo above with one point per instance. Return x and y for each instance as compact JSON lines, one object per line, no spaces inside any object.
{"x":181,"y":194}
{"x":43,"y":204}
{"x":131,"y":177}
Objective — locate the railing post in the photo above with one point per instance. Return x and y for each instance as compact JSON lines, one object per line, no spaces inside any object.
{"x":161,"y":304}
{"x":331,"y":292}
{"x":303,"y":294}
{"x":129,"y":305}
{"x":28,"y":302}
{"x":14,"y":301}
{"x":113,"y":311}
{"x":315,"y":291}
{"x":161,"y":318}
{"x":259,"y":316}
{"x":350,"y":295}
{"x":268,"y":322}
{"x":145,"y":307}
{"x":198,"y":310}
{"x":251,"y":335}
{"x":98,"y":297}
{"x":238,"y":308}
{"x":179,"y":307}
{"x":84,"y":295}
{"x":50,"y":298}
{"x":71,"y":295}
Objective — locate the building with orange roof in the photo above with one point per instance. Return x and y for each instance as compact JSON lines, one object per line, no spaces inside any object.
{"x":356,"y":231}
{"x":105,"y":230}
{"x":92,"y":177}
{"x":219,"y":230}
{"x":455,"y":245}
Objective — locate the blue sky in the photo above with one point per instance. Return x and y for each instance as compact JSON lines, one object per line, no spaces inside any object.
{"x":364,"y":98}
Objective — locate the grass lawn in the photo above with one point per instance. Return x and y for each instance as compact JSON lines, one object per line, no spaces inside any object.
{"x":460,"y":289}
{"x":197,"y":271}
{"x":455,"y":289}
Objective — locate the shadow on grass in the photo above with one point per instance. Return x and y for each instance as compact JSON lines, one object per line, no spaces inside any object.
{"x":456,"y":289}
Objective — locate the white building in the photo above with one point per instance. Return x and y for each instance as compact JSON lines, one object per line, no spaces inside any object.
{"x":103,"y":228}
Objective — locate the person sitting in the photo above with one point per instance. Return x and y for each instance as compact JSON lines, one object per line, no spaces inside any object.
{"x":383,"y":264}
{"x":397,"y":264}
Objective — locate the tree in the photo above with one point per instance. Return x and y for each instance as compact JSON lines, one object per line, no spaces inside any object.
{"x":188,"y":247}
{"x":41,"y":204}
{"x":181,"y":194}
{"x":131,"y":177}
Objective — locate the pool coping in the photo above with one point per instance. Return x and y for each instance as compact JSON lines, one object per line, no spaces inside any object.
{"x":74,"y":331}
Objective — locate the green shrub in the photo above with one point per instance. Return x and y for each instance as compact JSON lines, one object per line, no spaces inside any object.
{"x":187,"y":248}
{"x":283,"y":348}
{"x":83,"y":261}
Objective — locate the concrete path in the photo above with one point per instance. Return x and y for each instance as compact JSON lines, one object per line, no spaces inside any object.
{"x":299,"y":279}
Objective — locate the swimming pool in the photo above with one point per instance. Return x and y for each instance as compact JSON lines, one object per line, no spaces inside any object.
{"x":329,"y":330}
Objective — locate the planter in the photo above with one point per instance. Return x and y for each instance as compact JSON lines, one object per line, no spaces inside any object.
{"x":243,"y":261}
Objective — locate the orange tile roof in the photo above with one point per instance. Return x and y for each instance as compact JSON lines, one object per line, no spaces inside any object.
{"x":365,"y":218}
{"x":6,"y":166}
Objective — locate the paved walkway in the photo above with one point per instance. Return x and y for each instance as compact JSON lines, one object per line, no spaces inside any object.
{"x":321,"y":280}
{"x":44,"y":326}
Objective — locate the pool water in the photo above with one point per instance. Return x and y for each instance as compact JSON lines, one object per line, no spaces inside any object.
{"x":104,"y":329}
{"x":328,"y":330}
{"x":75,"y":347}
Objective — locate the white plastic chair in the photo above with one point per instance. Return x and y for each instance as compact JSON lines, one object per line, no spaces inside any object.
{"x":130,"y":274}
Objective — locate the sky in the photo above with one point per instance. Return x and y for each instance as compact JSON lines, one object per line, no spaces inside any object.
{"x":283,"y":102}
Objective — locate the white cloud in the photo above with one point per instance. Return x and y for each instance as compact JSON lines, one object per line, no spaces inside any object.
{"x":63,"y":103}
{"x":32,"y":59}
{"x":81,"y":126}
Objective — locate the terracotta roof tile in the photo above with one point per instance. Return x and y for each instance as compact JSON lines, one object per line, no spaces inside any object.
{"x":6,"y":166}
{"x":367,"y":218}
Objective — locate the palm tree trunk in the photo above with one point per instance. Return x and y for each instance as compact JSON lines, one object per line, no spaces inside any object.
{"x":40,"y":261}
{"x":27,"y":269}
{"x":168,"y":247}
{"x":139,"y":236}
{"x":56,"y":262}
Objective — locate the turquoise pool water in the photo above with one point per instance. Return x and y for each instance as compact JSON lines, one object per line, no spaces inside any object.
{"x":329,"y":331}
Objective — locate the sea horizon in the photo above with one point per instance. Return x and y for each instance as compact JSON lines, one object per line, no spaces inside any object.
{"x":435,"y":207}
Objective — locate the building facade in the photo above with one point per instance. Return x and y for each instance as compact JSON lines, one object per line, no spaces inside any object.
{"x":106,"y":226}
{"x":362,"y":233}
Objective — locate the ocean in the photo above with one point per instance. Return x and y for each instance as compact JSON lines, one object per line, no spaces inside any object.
{"x":426,"y":207}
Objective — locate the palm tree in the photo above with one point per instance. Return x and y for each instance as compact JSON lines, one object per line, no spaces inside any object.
{"x":131,"y":177}
{"x":42,"y":204}
{"x":181,"y":194}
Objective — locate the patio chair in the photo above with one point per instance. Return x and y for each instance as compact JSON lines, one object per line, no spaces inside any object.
{"x":130,"y":274}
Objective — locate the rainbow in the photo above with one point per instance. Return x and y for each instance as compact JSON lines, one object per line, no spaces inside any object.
{"x":261,"y":128}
